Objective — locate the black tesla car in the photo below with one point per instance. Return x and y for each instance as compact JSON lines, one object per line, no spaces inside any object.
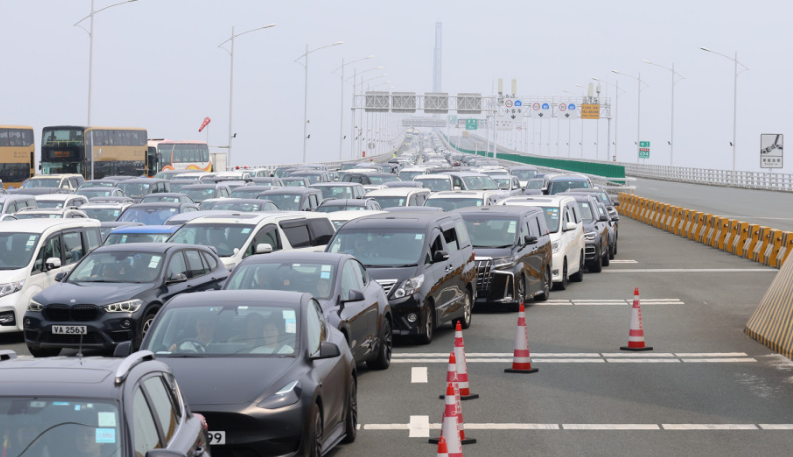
{"x":270,"y":374}
{"x":352,"y":301}
{"x":112,"y":295}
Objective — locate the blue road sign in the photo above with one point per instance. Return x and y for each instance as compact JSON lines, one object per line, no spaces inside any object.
{"x":518,"y":103}
{"x":571,"y":106}
{"x":546,"y":106}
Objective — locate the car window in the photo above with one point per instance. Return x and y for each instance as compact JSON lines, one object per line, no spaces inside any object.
{"x":315,"y":330}
{"x":437,"y":245}
{"x":524,"y":232}
{"x":144,"y":429}
{"x":321,"y":231}
{"x":163,"y":406}
{"x":298,"y":236}
{"x":451,"y":240}
{"x":52,"y":248}
{"x":210,"y":261}
{"x":176,"y":395}
{"x":266,"y":235}
{"x":73,"y":247}
{"x":362,"y":272}
{"x":196,"y":267}
{"x":177,"y":265}
{"x":94,"y":238}
{"x":350,"y":280}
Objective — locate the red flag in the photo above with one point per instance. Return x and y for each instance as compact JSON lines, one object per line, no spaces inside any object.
{"x":205,"y":123}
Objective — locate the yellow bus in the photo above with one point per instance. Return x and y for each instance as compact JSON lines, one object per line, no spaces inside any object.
{"x":17,"y":154}
{"x":116,"y":151}
{"x":184,"y":155}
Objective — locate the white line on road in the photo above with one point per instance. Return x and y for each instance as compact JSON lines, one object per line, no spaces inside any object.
{"x":776,"y":426}
{"x":709,"y":426}
{"x":720,"y":360}
{"x":642,"y":360}
{"x":418,"y":375}
{"x":611,"y":427}
{"x":610,"y":302}
{"x":696,"y":270}
{"x":419,"y":427}
{"x":623,"y":261}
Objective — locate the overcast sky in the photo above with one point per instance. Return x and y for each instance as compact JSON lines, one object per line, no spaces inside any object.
{"x":157,"y":65}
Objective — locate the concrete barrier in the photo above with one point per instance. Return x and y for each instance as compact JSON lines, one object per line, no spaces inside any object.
{"x":771,"y":250}
{"x":762,"y":242}
{"x":784,"y":250}
{"x":740,"y":238}
{"x":751,"y":240}
{"x":730,"y":239}
{"x":772,"y":321}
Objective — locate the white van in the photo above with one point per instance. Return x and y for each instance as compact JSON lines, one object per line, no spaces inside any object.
{"x":239,"y":235}
{"x":32,"y":253}
{"x":566,"y":228}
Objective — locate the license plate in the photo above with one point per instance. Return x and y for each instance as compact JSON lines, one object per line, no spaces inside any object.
{"x":69,"y":329}
{"x":217,"y":438}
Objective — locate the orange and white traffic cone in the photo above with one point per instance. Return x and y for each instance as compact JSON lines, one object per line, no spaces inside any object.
{"x":443,"y":450}
{"x":451,"y":377}
{"x":521,"y":358}
{"x":462,"y":368}
{"x":449,"y":430}
{"x":636,"y":334}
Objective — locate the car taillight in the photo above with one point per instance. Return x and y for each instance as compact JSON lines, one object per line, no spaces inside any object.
{"x":203,"y":421}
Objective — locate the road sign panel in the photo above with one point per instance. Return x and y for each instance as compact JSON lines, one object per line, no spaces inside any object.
{"x":644,"y":144}
{"x":771,"y":150}
{"x":471,"y":124}
{"x":590,"y":111}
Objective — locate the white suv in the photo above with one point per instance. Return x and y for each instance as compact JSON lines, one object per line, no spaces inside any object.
{"x":567,"y":235}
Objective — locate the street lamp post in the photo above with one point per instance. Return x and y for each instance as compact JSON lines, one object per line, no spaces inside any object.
{"x":352,"y":126}
{"x":231,"y":82}
{"x":734,"y":102}
{"x":305,"y":93}
{"x":674,"y":81}
{"x":616,"y":119}
{"x":341,"y":125}
{"x":363,"y":131}
{"x":639,"y":112}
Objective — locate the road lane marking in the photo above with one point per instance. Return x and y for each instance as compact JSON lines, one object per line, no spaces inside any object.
{"x":696,"y":270}
{"x":720,"y":360}
{"x":418,"y":375}
{"x":611,"y":427}
{"x":776,"y":426}
{"x":623,"y":261}
{"x":643,"y":360}
{"x":709,"y":426}
{"x":573,"y":357}
{"x":419,"y":427}
{"x":646,"y":355}
{"x":610,"y":302}
{"x":512,"y":426}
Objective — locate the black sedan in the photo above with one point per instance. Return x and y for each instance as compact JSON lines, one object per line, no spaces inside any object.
{"x":269,"y":373}
{"x":352,"y":302}
{"x":112,"y":295}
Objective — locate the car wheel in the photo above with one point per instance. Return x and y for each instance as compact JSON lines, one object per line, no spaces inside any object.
{"x":562,"y":285}
{"x":315,"y":437}
{"x":428,"y":328}
{"x":44,"y":352}
{"x":579,"y":276}
{"x":545,"y":294}
{"x":383,"y":359}
{"x":351,"y":422}
{"x":597,"y":263}
{"x":607,"y":257}
{"x":145,"y":325}
{"x":611,"y":250}
{"x":465,"y":322}
{"x":520,"y":296}
{"x":615,"y":248}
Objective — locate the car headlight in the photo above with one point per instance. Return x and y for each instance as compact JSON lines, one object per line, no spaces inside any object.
{"x":409,"y":287}
{"x":11,"y":287}
{"x":35,"y":306}
{"x":555,"y":245}
{"x":128,"y":306}
{"x":503,"y":262}
{"x":590,"y":236}
{"x":287,"y":395}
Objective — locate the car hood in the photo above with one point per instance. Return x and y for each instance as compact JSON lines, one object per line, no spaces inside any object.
{"x":91,"y":293}
{"x":228,"y":380}
{"x":400,"y":274}
{"x":493,"y":252}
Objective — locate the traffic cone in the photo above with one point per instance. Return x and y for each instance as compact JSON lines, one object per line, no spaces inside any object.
{"x":462,"y":368}
{"x":451,"y":377}
{"x":636,"y":334}
{"x":443,"y":450}
{"x":449,"y":429}
{"x":521,"y":358}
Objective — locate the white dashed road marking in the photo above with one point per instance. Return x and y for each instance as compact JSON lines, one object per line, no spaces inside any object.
{"x":419,"y":427}
{"x":575,"y":357}
{"x":418,"y":375}
{"x":610,"y":302}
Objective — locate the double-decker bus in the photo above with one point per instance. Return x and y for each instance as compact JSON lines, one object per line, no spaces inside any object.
{"x":153,"y":156}
{"x":116,"y":151}
{"x":17,"y":154}
{"x":184,"y":155}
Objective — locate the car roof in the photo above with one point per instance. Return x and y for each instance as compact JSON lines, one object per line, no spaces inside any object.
{"x":499,"y":209}
{"x":345,"y":201}
{"x":238,"y":297}
{"x":418,"y":219}
{"x":254,"y":218}
{"x":146,"y":229}
{"x":144,"y":247}
{"x":397,"y":191}
{"x":289,"y":190}
{"x":58,"y":197}
{"x":142,"y":181}
{"x":298,"y":256}
{"x":41,"y":225}
{"x":539,"y":200}
{"x":201,"y":186}
{"x":335,"y":184}
{"x":459,"y":194}
{"x":569,"y":177}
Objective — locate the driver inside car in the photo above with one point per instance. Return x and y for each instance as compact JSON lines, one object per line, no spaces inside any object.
{"x":204,"y":336}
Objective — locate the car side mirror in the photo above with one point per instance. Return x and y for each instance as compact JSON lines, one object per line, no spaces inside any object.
{"x":355,"y":295}
{"x":53,"y":263}
{"x":616,"y":203}
{"x":457,"y":188}
{"x":59,"y":277}
{"x":570,"y":226}
{"x":123,"y":349}
{"x":604,"y":218}
{"x":263,"y":248}
{"x":177,"y":277}
{"x":440,"y":256}
{"x":615,"y":218}
{"x":327,"y":350}
{"x":544,"y":190}
{"x":527,"y":239}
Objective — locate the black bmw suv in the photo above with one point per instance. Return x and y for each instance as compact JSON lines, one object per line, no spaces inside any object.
{"x":96,"y":406}
{"x":112,"y":295}
{"x":423,"y":260}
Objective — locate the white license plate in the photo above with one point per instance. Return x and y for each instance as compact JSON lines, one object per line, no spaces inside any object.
{"x":69,"y":329}
{"x":217,"y":438}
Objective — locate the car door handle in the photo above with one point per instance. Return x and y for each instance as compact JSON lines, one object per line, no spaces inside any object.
{"x":199,"y":451}
{"x":448,"y":268}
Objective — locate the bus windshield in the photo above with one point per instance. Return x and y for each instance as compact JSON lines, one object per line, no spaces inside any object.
{"x":62,"y":137}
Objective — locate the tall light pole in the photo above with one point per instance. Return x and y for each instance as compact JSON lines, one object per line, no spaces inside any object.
{"x":361,"y":131}
{"x":354,"y":78}
{"x":341,"y":125}
{"x":231,"y":82}
{"x":639,"y":112}
{"x":674,"y":81}
{"x":734,"y":102}
{"x":616,"y":121}
{"x":91,"y":52}
{"x":582,"y":121}
{"x":305,"y":93}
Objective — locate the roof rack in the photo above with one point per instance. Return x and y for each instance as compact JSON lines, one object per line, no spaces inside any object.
{"x":7,"y":354}
{"x":130,"y":362}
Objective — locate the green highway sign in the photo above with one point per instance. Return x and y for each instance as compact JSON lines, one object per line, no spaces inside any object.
{"x":471,"y":124}
{"x":644,"y":149}
{"x":644,"y":144}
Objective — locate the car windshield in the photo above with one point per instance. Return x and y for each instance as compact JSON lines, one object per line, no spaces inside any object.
{"x":558,"y":186}
{"x":604,"y":198}
{"x":586,"y":211}
{"x":243,"y":207}
{"x":380,"y":248}
{"x":336,"y":192}
{"x":96,"y":192}
{"x":102,"y":214}
{"x":334,"y":208}
{"x":534,"y":184}
{"x":97,"y":183}
{"x":49,"y":204}
{"x":226,"y":238}
{"x":16,"y":249}
{"x":48,"y":426}
{"x":449,"y":204}
{"x":43,"y":182}
{"x":26,"y":215}
{"x":285,"y":202}
{"x":315,"y":278}
{"x":436,"y":184}
{"x":225,"y":330}
{"x":153,"y":198}
{"x":487,"y":232}
{"x":313,"y":179}
{"x":293,"y":182}
{"x":551,"y":218}
{"x":117,"y":267}
{"x":479,"y":182}
{"x":524,"y":175}
{"x":148,"y":216}
{"x":383,"y":179}
{"x":502,"y":183}
{"x":389,"y":202}
{"x":409,"y":175}
{"x":123,"y":238}
{"x":246,"y":193}
{"x":134,"y":190}
{"x":199,"y":195}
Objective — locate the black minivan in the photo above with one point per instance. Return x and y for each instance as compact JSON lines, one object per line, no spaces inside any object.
{"x":513,"y":253}
{"x":423,"y":260}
